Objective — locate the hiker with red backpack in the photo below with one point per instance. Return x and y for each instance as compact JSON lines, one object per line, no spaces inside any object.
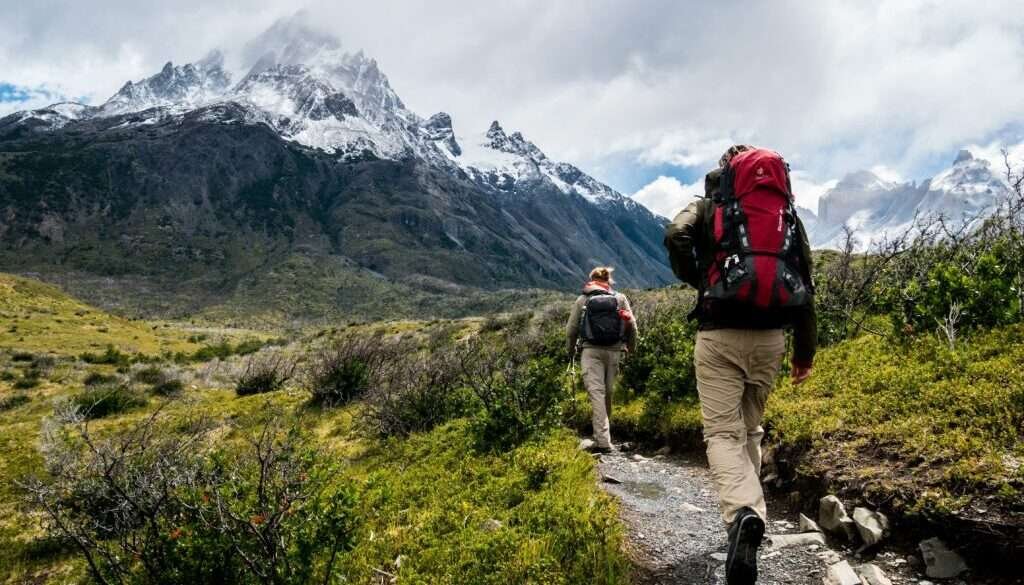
{"x":602,"y":323}
{"x":746,"y":252}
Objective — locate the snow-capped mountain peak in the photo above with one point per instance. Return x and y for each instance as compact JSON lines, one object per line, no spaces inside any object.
{"x":183,"y":87}
{"x":876,"y":208}
{"x":313,"y":91}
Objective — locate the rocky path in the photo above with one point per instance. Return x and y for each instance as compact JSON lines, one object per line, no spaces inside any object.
{"x":676,"y":535}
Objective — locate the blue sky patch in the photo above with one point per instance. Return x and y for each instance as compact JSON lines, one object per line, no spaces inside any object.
{"x":11,"y":93}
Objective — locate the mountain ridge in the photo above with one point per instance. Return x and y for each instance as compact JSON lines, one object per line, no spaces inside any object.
{"x":877,"y":209}
{"x":191,"y":183}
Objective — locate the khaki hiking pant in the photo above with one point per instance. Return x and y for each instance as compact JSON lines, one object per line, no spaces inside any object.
{"x":736,"y":369}
{"x":600,"y":366}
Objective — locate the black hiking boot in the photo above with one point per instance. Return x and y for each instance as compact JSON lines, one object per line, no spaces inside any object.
{"x":745,"y":536}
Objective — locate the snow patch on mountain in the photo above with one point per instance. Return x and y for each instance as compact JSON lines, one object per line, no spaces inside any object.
{"x":877,"y":209}
{"x":182,"y":87}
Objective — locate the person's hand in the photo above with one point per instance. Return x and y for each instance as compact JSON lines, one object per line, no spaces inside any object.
{"x":799,"y":374}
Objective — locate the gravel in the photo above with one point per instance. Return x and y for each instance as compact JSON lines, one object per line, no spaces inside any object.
{"x":677,"y":536}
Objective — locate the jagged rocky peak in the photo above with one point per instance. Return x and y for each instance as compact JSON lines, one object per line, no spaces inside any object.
{"x":298,"y":41}
{"x":963,"y":156}
{"x":512,"y":144}
{"x":291,"y":90}
{"x":439,"y":129}
{"x":188,"y":85}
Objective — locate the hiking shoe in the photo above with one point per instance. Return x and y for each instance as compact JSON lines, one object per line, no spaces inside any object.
{"x":745,"y":536}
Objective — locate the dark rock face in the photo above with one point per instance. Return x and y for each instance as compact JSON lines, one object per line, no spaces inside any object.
{"x":194,"y":187}
{"x":199,"y":202}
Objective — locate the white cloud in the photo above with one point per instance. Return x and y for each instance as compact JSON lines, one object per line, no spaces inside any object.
{"x":993,"y":153}
{"x":667,"y":196}
{"x":834,"y":85}
{"x":887,"y":174}
{"x":807,"y":190}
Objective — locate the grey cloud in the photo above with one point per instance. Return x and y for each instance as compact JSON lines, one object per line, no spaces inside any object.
{"x":835,"y":84}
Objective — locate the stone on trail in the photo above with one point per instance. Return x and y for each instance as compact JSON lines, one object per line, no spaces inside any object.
{"x":807,"y":538}
{"x":638,"y":458}
{"x":872,"y":526}
{"x":808,"y":525}
{"x":842,"y":573}
{"x":719,"y":556}
{"x":832,"y":517}
{"x":939,"y":561}
{"x":587,"y":444}
{"x":610,"y":479}
{"x":666,"y":450}
{"x":872,"y":575}
{"x":691,"y":508}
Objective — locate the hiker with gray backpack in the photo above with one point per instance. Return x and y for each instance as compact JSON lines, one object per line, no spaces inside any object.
{"x":602,"y":325}
{"x":746,"y":252}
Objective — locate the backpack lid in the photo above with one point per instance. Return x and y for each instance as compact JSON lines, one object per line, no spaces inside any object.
{"x":759,"y":169}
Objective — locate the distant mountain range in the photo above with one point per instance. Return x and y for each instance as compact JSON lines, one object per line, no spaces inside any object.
{"x":875,"y":208}
{"x":205,"y":188}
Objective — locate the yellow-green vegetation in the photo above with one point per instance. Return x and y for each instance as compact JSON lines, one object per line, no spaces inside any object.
{"x":430,"y":508}
{"x":38,"y":317}
{"x":434,"y":506}
{"x":929,"y":428}
{"x":938,"y":427}
{"x":437,"y":511}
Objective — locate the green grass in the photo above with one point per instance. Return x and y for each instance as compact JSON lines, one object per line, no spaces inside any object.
{"x":532,"y":515}
{"x":37,"y":317}
{"x":450,"y":513}
{"x":942,"y":427}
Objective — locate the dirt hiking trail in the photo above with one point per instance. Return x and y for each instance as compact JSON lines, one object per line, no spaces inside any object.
{"x":676,"y":535}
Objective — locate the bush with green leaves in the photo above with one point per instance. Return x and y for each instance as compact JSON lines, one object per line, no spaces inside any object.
{"x":344,"y":371}
{"x":101,"y":401}
{"x":970,"y":287}
{"x":417,"y":393}
{"x":520,"y":395}
{"x":12,"y":401}
{"x":662,"y":364}
{"x":265,"y":371}
{"x":98,"y":379}
{"x":157,"y":505}
{"x":111,"y":356}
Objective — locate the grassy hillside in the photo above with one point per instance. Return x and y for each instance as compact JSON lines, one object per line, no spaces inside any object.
{"x":434,"y":506}
{"x":37,"y":317}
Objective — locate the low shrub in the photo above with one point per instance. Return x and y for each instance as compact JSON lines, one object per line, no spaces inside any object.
{"x":169,"y":387}
{"x":264,"y":372}
{"x":112,"y":356}
{"x":101,"y":401}
{"x":28,"y":380}
{"x":344,"y":371}
{"x":98,"y":379}
{"x":153,"y":505}
{"x":149,"y":375}
{"x":662,"y":364}
{"x":520,"y":395}
{"x":417,"y":394}
{"x":13,"y":401}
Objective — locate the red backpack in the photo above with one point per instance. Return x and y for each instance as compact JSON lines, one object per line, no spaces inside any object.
{"x":756,"y":253}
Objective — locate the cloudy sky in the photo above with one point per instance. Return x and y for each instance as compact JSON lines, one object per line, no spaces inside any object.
{"x":644,"y":95}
